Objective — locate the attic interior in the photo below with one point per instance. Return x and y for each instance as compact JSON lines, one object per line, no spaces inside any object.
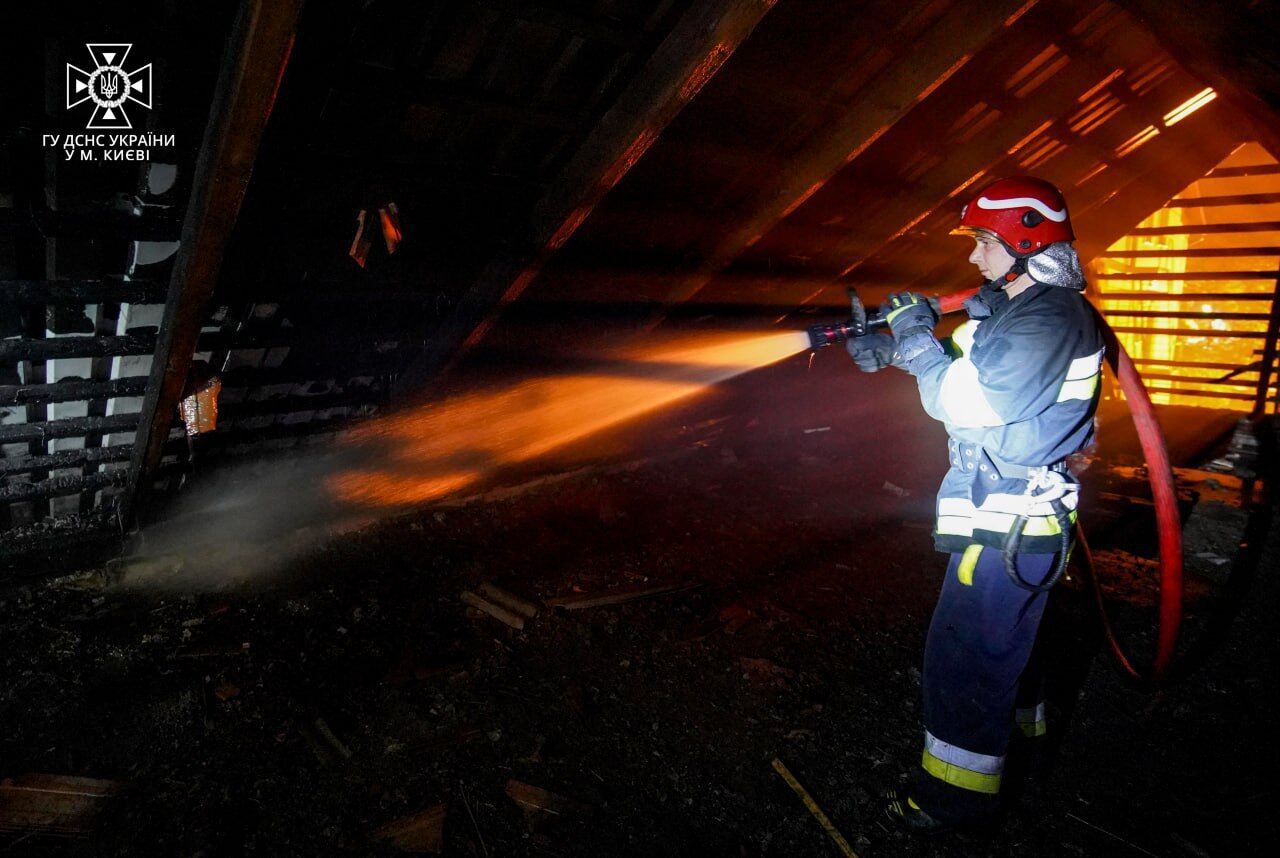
{"x":411,"y":441}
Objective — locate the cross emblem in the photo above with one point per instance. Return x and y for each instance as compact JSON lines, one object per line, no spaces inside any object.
{"x":109,"y":86}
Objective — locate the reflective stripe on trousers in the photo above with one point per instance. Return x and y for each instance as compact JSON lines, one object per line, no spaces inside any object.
{"x":958,"y":767}
{"x":1031,"y":721}
{"x":979,"y":645}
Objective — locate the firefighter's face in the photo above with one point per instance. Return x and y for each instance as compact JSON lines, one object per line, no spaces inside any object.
{"x":990,"y":257}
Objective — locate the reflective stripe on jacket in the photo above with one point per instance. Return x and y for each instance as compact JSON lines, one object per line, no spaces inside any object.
{"x":1018,"y":389}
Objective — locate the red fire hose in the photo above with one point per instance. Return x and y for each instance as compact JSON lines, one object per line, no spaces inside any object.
{"x":952,"y":303}
{"x":1163,"y":494}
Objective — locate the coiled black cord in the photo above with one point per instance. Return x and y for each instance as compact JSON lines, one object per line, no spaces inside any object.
{"x":1013,"y":541}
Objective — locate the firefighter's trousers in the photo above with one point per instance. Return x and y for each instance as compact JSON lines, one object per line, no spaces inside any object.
{"x":981,"y":681}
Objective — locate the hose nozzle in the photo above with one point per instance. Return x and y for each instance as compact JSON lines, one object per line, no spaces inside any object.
{"x":826,"y":335}
{"x":857,"y":325}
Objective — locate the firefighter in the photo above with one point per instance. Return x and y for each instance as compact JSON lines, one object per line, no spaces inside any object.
{"x":1016,"y":387}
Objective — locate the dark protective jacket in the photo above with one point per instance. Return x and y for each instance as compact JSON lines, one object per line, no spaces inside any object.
{"x":1019,"y":388}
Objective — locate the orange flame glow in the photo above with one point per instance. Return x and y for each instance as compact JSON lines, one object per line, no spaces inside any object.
{"x":441,"y":448}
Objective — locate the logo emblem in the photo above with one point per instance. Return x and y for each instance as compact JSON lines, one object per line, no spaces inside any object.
{"x":109,"y":86}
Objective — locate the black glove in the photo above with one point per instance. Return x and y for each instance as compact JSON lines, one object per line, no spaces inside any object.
{"x":906,"y":311}
{"x":911,"y":317}
{"x":871,"y":352}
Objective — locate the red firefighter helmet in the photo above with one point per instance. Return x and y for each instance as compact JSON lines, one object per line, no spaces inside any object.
{"x":1025,"y":213}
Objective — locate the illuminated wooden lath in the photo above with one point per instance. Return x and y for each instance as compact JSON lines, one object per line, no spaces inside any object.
{"x":1192,"y":290}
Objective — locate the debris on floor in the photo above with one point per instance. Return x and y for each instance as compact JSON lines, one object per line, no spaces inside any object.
{"x":812,"y":806}
{"x":498,"y":612}
{"x":54,"y":804}
{"x":509,"y":600}
{"x":325,"y":745}
{"x":535,"y":800}
{"x":580,"y":601}
{"x":421,"y":832}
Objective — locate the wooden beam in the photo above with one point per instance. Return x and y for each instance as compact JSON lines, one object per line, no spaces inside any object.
{"x":80,"y":292}
{"x":1189,"y":332}
{"x":1187,"y":314}
{"x":1188,"y":275}
{"x":1268,"y":361}
{"x":72,"y":391}
{"x":1189,"y":364}
{"x":1223,"y":200}
{"x":1209,"y":228}
{"x":1196,"y":253}
{"x":69,"y":347}
{"x":939,"y":52}
{"x":143,"y":342}
{"x":1207,"y":394}
{"x":1184,"y":296}
{"x":252,"y":68}
{"x":68,"y":459}
{"x":70,"y":427}
{"x":54,"y":486}
{"x":1244,"y":172}
{"x":700,"y":43}
{"x":1187,"y":379}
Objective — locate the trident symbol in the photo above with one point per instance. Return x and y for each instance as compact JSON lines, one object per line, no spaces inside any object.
{"x":110,"y":85}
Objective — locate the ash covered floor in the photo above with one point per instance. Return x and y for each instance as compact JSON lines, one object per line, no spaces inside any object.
{"x":305,"y":713}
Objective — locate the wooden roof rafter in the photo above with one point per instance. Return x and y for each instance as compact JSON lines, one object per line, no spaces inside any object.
{"x":258,"y":53}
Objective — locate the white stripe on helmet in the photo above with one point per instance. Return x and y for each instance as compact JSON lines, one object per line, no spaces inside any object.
{"x":1018,"y":202}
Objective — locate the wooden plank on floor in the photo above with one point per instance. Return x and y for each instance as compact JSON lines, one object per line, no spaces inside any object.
{"x":580,"y":601}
